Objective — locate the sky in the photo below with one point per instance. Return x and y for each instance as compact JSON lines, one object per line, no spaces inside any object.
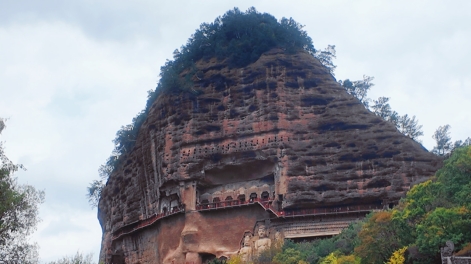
{"x":73,"y":72}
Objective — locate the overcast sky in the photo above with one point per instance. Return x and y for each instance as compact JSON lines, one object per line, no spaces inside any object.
{"x":73,"y":72}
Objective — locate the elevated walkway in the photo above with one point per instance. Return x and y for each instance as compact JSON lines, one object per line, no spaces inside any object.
{"x":133,"y":227}
{"x":307,"y":229}
{"x":314,"y":229}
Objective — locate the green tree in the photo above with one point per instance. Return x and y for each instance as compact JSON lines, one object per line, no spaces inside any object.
{"x":78,"y":258}
{"x":398,"y":256}
{"x":382,"y":108}
{"x":18,"y":213}
{"x":359,"y":89}
{"x":325,"y":57}
{"x":462,"y":143}
{"x":381,"y":235}
{"x":329,"y":259}
{"x":441,"y":225}
{"x":431,"y":213}
{"x":405,"y":124}
{"x":288,"y":256}
{"x":443,"y":140}
{"x":454,"y":178}
{"x":409,"y":127}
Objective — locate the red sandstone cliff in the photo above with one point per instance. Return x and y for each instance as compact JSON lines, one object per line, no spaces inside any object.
{"x":281,"y":128}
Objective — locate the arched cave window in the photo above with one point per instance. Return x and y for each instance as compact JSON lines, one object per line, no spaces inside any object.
{"x":164,"y":210}
{"x":228,"y":200}
{"x":205,"y":203}
{"x":265,"y":195}
{"x":241,"y":198}
{"x":216,"y":201}
{"x":253,"y":197}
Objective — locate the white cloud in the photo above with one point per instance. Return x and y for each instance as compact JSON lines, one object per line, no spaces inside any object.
{"x":66,"y":96}
{"x":65,"y":230}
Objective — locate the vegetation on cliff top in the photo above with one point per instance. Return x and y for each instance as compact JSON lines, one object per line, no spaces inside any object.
{"x":237,"y":37}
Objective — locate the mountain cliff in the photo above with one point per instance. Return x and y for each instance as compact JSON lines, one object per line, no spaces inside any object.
{"x":279,"y":131}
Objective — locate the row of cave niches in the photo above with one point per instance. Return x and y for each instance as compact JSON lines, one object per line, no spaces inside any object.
{"x":245,"y":102}
{"x":241,"y":198}
{"x":235,"y":146}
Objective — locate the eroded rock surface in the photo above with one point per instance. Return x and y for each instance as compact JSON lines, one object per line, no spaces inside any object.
{"x":281,"y":130}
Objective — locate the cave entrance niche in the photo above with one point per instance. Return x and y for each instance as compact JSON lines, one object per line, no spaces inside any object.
{"x":228,"y":200}
{"x":117,"y":259}
{"x":216,"y":202}
{"x":169,"y":203}
{"x":205,"y":203}
{"x":249,"y":171}
{"x":237,"y":184}
{"x":253,"y":197}
{"x":265,"y":196}
{"x":207,"y":257}
{"x":241,"y":198}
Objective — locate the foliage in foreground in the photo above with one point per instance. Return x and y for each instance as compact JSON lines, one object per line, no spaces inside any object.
{"x":432,"y":213}
{"x":18,"y":213}
{"x":341,"y":247}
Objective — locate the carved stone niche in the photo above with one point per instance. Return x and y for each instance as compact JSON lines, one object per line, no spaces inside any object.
{"x":262,"y":238}
{"x":246,"y":251}
{"x":263,"y":241}
{"x":169,"y":199}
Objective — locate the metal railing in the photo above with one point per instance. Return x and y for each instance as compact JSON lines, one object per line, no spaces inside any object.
{"x":267,"y":204}
{"x":332,"y":210}
{"x":230,"y":203}
{"x":143,"y":223}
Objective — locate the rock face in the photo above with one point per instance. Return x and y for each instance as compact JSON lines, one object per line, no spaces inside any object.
{"x":261,"y":145}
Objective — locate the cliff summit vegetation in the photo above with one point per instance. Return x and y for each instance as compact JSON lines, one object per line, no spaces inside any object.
{"x":237,"y":37}
{"x":240,"y":38}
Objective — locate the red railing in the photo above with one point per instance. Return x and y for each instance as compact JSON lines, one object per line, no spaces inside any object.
{"x":143,"y":223}
{"x":265,"y":203}
{"x":331,"y":210}
{"x":230,"y":203}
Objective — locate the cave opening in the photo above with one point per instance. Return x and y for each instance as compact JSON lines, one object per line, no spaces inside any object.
{"x":207,"y":257}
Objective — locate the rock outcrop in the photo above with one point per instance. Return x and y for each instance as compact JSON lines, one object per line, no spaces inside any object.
{"x":280,"y":133}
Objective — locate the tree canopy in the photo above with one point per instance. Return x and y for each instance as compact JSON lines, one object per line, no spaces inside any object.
{"x":78,"y":258}
{"x":18,"y":213}
{"x":409,"y":126}
{"x":432,"y":213}
{"x":238,"y":37}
